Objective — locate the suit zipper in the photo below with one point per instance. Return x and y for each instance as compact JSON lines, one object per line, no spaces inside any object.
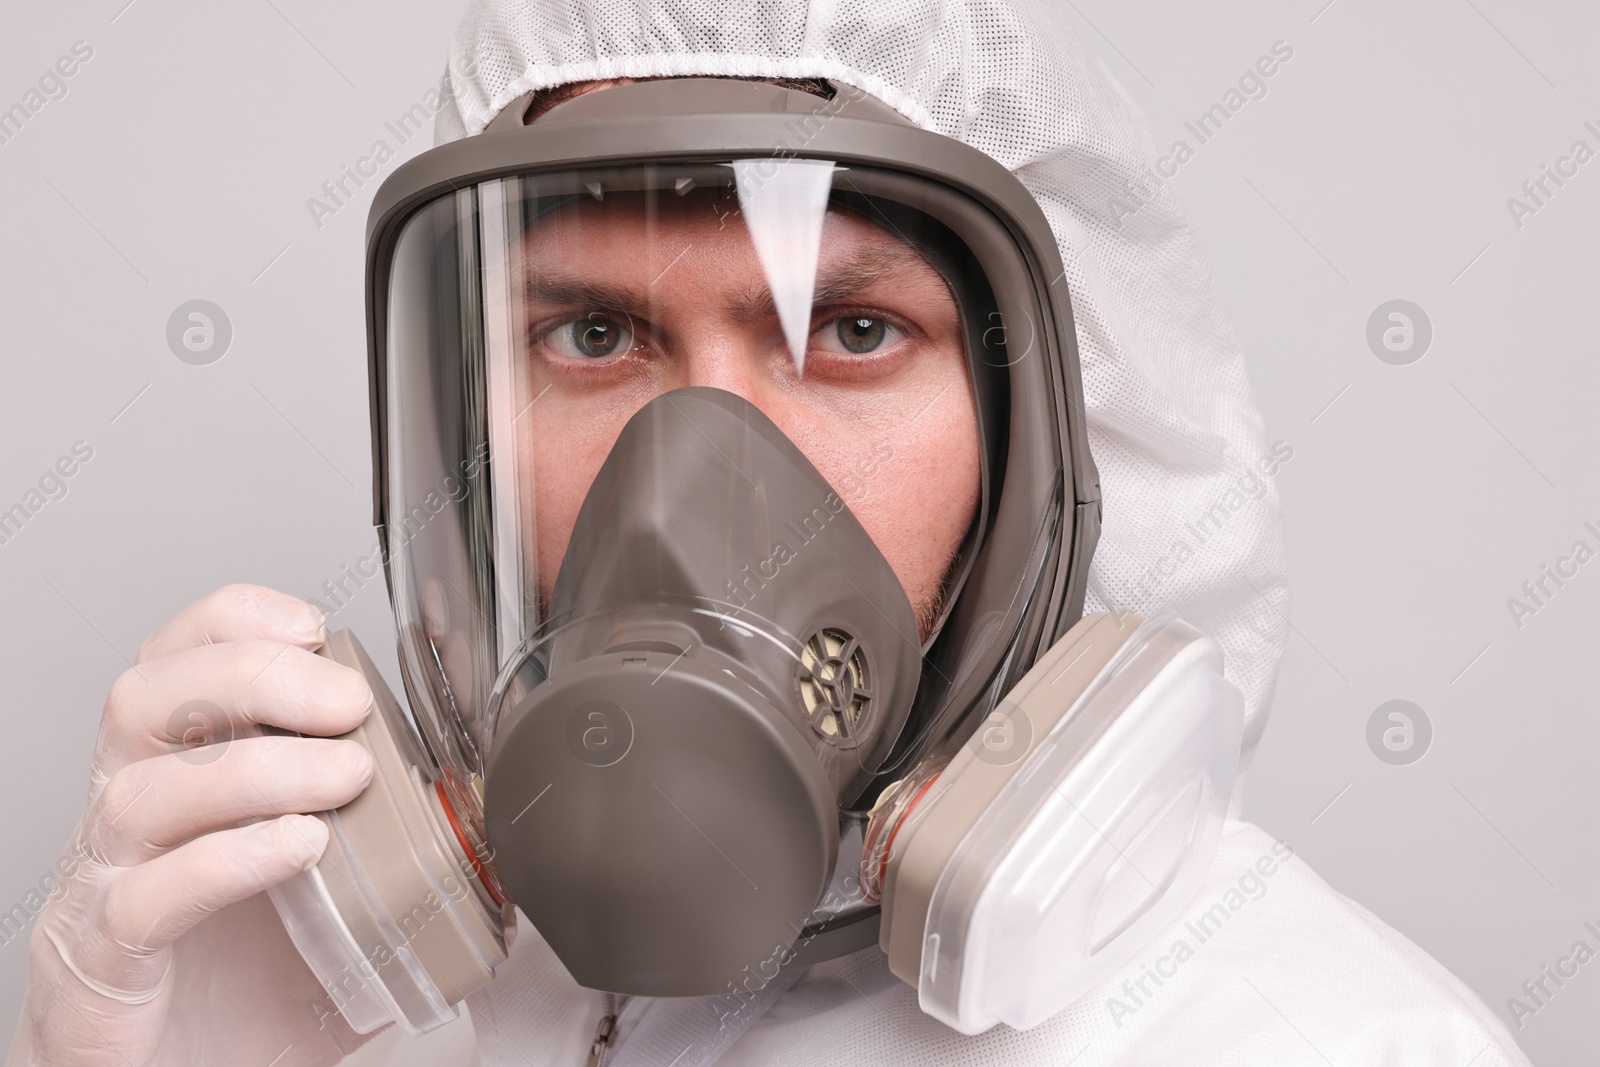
{"x":602,"y":1040}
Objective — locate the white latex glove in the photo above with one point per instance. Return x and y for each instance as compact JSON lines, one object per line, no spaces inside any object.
{"x":160,"y":861}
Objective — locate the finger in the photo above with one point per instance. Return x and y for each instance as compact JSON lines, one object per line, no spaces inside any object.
{"x":154,"y":805}
{"x":238,"y":613}
{"x":147,"y":907}
{"x":212,"y":693}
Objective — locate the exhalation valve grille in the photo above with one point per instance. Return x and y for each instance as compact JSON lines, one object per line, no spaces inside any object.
{"x":835,"y":684}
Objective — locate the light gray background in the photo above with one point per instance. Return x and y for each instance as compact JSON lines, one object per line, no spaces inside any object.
{"x":1418,"y":500}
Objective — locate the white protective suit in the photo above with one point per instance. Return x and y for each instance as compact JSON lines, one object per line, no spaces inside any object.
{"x":1271,"y":965}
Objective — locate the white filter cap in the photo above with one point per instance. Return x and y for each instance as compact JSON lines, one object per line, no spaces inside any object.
{"x":1094,"y":845}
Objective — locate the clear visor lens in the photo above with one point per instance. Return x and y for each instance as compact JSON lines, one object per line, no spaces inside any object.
{"x":530,"y":317}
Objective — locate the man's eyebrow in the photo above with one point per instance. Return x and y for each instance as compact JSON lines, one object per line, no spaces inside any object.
{"x":842,"y":278}
{"x":553,"y":288}
{"x":864,"y":267}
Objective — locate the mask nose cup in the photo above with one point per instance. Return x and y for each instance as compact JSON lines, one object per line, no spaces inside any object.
{"x":730,"y":659}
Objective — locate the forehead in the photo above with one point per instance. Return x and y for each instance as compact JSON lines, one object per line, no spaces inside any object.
{"x":634,"y":228}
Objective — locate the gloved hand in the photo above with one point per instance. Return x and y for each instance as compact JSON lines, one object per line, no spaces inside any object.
{"x":160,"y":855}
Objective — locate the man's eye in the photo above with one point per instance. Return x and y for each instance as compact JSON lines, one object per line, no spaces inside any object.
{"x":592,"y":336}
{"x":858,"y":334}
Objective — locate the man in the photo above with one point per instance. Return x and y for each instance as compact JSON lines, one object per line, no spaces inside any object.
{"x":1271,"y":966}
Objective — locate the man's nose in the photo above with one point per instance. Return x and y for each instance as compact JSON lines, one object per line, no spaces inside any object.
{"x":731,"y":361}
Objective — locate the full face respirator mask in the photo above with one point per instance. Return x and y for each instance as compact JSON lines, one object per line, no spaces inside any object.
{"x":663,"y":385}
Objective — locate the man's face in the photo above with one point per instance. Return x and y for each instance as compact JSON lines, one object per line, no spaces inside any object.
{"x":626,"y":300}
